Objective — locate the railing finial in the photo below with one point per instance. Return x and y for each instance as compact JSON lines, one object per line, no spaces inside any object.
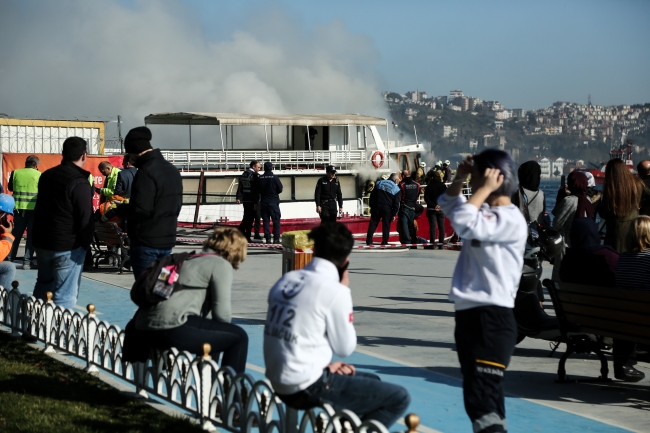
{"x":90,"y":308}
{"x":412,"y":421}
{"x":206,"y":351}
{"x":15,"y":284}
{"x":49,"y":296}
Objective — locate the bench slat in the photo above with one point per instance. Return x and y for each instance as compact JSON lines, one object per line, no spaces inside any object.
{"x":607,"y":313}
{"x":614,"y":304}
{"x":607,"y":292}
{"x":607,"y":325}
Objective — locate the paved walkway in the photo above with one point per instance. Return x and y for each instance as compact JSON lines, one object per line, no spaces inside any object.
{"x":405,"y":328}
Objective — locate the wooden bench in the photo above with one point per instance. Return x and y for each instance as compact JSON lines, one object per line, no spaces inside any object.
{"x":599,"y":311}
{"x":110,"y":242}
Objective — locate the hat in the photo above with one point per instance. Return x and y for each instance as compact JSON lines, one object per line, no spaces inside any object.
{"x":138,"y":140}
{"x":591,"y":182}
{"x":385,"y":176}
{"x":447,"y":162}
{"x":330,"y":169}
{"x":423,"y":164}
{"x":268,"y":166}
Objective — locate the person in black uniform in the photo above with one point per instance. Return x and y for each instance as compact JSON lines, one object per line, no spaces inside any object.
{"x":270,"y":188}
{"x":384,"y":204}
{"x":410,"y":195}
{"x":247,"y":194}
{"x":435,"y":215}
{"x":328,"y":194}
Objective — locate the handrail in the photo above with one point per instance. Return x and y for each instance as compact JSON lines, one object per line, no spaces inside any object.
{"x":217,"y":396}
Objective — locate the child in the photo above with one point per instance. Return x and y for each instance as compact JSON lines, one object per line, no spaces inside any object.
{"x":485,"y":280}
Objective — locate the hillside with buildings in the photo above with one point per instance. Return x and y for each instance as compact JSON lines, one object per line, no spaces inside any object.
{"x":561,"y":136}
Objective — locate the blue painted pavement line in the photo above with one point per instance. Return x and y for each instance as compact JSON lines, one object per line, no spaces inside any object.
{"x":436,"y":398}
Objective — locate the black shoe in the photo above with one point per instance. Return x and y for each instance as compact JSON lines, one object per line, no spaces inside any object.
{"x":276,"y":240}
{"x":258,"y":237}
{"x":268,"y":241}
{"x":628,"y":374}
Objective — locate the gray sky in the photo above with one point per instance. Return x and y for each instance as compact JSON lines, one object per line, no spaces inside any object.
{"x":77,"y":58}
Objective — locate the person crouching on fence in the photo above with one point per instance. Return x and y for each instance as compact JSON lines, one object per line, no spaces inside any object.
{"x":199,"y":311}
{"x":309,"y":318}
{"x":485,"y":280}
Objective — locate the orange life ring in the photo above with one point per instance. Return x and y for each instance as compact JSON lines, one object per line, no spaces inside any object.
{"x":374,"y":161}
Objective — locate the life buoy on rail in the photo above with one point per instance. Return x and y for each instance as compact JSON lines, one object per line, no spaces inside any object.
{"x":377,"y":159}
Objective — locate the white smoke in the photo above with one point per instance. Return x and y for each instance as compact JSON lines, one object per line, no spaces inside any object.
{"x":80,"y":59}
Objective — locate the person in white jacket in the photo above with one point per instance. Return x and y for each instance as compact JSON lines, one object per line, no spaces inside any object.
{"x":485,"y":281}
{"x":309,"y":319}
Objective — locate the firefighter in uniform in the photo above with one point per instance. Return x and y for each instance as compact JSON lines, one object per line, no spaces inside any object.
{"x":328,"y":194}
{"x":247,"y":194}
{"x":24,"y":185}
{"x":410,"y":195}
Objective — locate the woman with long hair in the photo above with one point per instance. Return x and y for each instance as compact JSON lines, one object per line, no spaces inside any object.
{"x":623,"y":195}
{"x":529,"y":198}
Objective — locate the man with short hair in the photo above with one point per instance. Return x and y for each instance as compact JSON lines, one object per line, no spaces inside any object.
{"x":410,"y":195}
{"x":270,"y":189}
{"x":125,"y":177}
{"x":63,"y":225}
{"x":248,"y":194}
{"x":155,"y":203}
{"x":327,"y":195}
{"x":384,"y":205}
{"x":310,"y":318}
{"x":24,"y":185}
{"x":643,"y":170}
{"x":110,"y":180}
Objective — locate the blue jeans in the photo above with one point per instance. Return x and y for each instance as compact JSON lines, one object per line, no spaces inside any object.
{"x":7,"y":272}
{"x":23,"y":219}
{"x":142,"y":256}
{"x":59,"y":272}
{"x":406,"y":227}
{"x":364,"y":394}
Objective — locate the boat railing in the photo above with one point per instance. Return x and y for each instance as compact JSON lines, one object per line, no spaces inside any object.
{"x":283,"y":160}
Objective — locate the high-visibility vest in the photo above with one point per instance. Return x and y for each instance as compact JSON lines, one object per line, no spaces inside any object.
{"x":25,"y":188}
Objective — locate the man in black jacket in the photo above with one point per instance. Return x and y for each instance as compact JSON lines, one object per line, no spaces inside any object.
{"x":63,"y":225}
{"x":248,"y":194}
{"x":410,"y":195}
{"x":156,"y":200}
{"x":125,"y":178}
{"x":270,"y":189}
{"x":435,"y":215}
{"x":327,"y":195}
{"x":384,"y":204}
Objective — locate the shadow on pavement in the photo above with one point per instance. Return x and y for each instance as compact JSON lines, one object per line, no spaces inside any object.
{"x":412,"y":311}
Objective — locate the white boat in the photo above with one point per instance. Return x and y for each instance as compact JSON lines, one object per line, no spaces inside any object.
{"x":350,"y":142}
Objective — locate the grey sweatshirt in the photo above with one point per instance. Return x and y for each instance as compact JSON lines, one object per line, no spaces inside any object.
{"x":200,"y":277}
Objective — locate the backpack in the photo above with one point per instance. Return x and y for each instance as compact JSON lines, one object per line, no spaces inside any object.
{"x":159,"y":281}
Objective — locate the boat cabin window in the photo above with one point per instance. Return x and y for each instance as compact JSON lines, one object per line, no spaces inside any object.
{"x":306,"y":187}
{"x":318,"y":137}
{"x":403,"y":162}
{"x":190,"y":188}
{"x":220,"y":189}
{"x":286,"y":188}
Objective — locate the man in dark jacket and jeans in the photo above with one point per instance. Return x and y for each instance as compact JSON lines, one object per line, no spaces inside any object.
{"x":384,"y":204}
{"x":63,"y":225}
{"x":156,"y":200}
{"x":270,"y":189}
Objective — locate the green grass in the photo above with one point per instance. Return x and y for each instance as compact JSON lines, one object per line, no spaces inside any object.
{"x":39,"y":394}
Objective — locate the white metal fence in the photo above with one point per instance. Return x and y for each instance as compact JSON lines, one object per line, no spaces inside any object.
{"x":216,"y":396}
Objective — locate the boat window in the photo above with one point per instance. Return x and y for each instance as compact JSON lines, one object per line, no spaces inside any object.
{"x":278,"y":137}
{"x":403,"y":162}
{"x":358,"y":139}
{"x":190,"y":188}
{"x":348,"y":187}
{"x":220,"y":189}
{"x":337,"y":135}
{"x":286,"y":188}
{"x":305,"y":187}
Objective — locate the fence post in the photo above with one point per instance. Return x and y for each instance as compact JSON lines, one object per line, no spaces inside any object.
{"x":48,"y":312}
{"x":13,"y":298}
{"x":291,"y":425}
{"x":205,"y":389}
{"x":91,"y":330}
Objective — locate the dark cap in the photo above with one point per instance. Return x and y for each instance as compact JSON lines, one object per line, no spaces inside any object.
{"x":138,"y":140}
{"x":268,"y":166}
{"x":331,"y":169}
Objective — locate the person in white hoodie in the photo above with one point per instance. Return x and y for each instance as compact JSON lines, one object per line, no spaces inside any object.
{"x":309,"y":318}
{"x":485,"y":281}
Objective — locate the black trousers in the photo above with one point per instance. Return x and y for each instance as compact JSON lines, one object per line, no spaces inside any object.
{"x":258,"y":218}
{"x":436,"y":218}
{"x":328,"y":211}
{"x":485,"y":340}
{"x":247,"y":220}
{"x":622,"y":351}
{"x":383,"y":213}
{"x":271,"y":212}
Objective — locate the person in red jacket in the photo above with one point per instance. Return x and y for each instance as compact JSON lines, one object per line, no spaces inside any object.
{"x":7,"y":269}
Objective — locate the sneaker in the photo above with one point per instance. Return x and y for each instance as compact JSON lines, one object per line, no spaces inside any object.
{"x":27,"y":266}
{"x":628,"y":374}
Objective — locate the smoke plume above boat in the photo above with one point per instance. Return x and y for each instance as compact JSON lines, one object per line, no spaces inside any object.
{"x":79,"y":59}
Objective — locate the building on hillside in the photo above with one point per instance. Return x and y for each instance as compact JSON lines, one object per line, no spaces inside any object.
{"x":498,"y":124}
{"x":545,"y":165}
{"x":502,"y":142}
{"x":473,"y":144}
{"x":519,"y":113}
{"x":475,"y":102}
{"x":453,"y":94}
{"x":454,"y":107}
{"x":557,"y":167}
